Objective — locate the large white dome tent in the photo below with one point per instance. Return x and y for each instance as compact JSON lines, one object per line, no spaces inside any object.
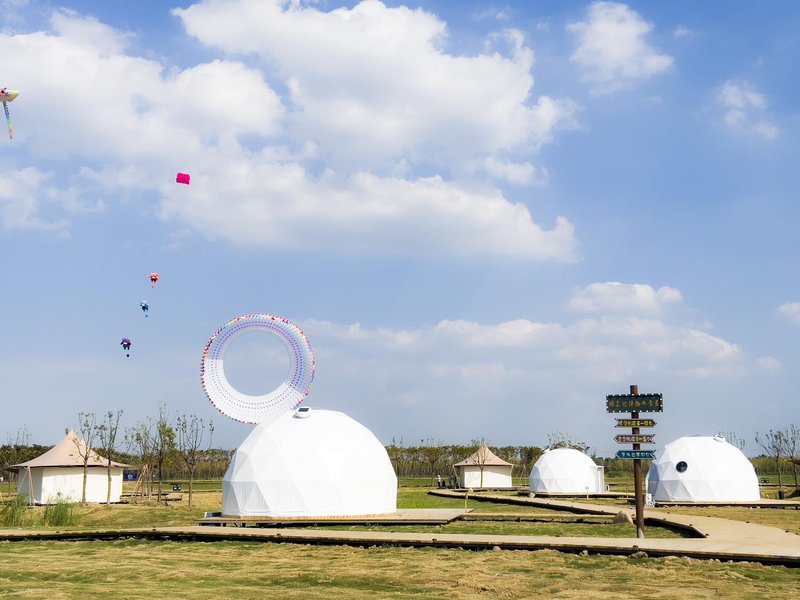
{"x":566,"y":471}
{"x":310,"y":463}
{"x":702,"y":469}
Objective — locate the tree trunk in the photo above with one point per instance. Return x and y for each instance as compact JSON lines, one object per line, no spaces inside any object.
{"x":191,"y":485}
{"x":108,"y":492}
{"x":85,"y":475}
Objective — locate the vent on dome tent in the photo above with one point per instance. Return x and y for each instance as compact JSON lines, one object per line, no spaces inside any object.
{"x":303,"y":412}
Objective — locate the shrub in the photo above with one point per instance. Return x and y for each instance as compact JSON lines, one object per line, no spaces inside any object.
{"x":13,"y":513}
{"x":59,"y":512}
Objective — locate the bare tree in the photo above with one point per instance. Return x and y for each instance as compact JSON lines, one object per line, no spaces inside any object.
{"x":480,"y":456}
{"x":16,"y":446}
{"x":397,"y":456}
{"x":107,"y":430}
{"x":733,"y":439}
{"x":190,"y":431}
{"x":87,"y":425}
{"x":162,"y":443}
{"x":21,"y":438}
{"x":559,"y":439}
{"x":433,"y":453}
{"x":791,"y":445}
{"x":773,"y":442}
{"x":137,"y":442}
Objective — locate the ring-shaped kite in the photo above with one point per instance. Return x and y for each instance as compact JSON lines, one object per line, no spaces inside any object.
{"x":255,"y":409}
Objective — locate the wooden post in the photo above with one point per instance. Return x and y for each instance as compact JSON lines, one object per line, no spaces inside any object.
{"x":637,"y":476}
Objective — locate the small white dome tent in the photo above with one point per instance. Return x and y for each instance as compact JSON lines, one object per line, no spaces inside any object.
{"x":702,"y":469}
{"x":58,"y":474}
{"x":484,"y":469}
{"x":566,"y":471}
{"x":310,"y":463}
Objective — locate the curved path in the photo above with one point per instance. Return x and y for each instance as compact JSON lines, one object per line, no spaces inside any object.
{"x":717,"y":538}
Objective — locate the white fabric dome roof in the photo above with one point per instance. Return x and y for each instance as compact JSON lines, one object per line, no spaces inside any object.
{"x":564,"y":471}
{"x":702,"y":469}
{"x":310,"y":463}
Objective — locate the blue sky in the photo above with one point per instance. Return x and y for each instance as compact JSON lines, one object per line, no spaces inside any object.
{"x":485,"y":216}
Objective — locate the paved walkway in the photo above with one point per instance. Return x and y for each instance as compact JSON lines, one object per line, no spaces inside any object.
{"x":717,"y":538}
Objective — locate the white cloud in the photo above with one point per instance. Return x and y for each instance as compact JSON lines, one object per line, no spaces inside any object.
{"x":373,"y":84}
{"x":517,"y":173}
{"x":89,"y":32}
{"x":612,"y":50}
{"x":769,"y":363}
{"x":791,"y":311}
{"x":29,"y":200}
{"x":281,"y":206}
{"x":128,"y":125}
{"x":681,"y":31}
{"x":620,"y":297}
{"x":591,"y":350}
{"x":742,"y":104}
{"x":493,"y":13}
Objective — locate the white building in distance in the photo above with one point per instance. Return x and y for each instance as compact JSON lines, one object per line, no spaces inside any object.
{"x":484,"y":469}
{"x":58,"y":474}
{"x":566,"y":471}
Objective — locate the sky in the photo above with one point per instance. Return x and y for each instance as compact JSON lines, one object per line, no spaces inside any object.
{"x":486,"y":216}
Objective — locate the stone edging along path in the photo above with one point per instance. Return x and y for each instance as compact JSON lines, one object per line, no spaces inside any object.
{"x":721,"y":539}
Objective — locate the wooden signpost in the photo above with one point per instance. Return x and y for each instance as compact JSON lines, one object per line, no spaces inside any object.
{"x":635,"y":403}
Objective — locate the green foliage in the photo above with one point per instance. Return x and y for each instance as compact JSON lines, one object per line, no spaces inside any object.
{"x":14,"y":512}
{"x":60,"y":512}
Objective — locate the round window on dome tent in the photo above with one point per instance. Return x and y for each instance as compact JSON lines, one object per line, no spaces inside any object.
{"x":681,"y":466}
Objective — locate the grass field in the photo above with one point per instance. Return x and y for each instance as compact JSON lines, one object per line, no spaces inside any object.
{"x":145,"y":569}
{"x":138,"y":569}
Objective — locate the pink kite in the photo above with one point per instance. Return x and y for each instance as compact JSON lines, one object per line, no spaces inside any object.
{"x":183,"y":178}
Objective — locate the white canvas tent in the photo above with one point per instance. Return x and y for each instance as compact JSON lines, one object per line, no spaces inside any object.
{"x":484,"y":469}
{"x":566,"y":471}
{"x":310,"y":463}
{"x":702,"y":469}
{"x":58,"y":474}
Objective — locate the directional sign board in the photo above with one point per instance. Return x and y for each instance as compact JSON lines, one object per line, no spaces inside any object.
{"x":634,"y":438}
{"x":620,"y":403}
{"x":636,"y":454}
{"x":635,"y":423}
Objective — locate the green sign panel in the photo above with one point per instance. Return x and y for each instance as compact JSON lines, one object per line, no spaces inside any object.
{"x":634,"y":454}
{"x":635,"y":423}
{"x":619,"y":403}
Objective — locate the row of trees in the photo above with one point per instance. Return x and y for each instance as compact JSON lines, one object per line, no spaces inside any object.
{"x":156,"y":447}
{"x":162,"y":448}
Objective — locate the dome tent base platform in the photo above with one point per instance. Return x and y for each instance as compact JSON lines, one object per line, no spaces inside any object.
{"x":408,"y":516}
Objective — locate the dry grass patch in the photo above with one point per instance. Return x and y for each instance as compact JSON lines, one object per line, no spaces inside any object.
{"x":138,"y":569}
{"x":783,"y":518}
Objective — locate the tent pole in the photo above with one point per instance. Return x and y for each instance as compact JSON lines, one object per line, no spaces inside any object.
{"x":30,"y":488}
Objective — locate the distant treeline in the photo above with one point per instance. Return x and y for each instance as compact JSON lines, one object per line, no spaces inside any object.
{"x":408,"y":461}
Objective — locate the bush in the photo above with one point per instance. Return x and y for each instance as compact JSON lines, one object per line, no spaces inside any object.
{"x":13,"y":513}
{"x":59,"y":512}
